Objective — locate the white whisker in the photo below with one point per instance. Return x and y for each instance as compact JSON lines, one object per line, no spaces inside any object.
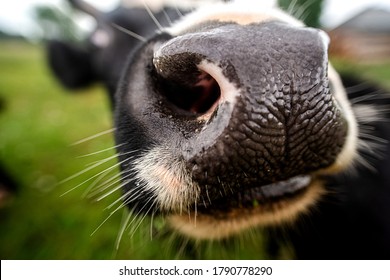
{"x":361,"y":160}
{"x":291,"y":7}
{"x":305,"y":15}
{"x":378,"y":94}
{"x":113,"y":190}
{"x":102,"y":185}
{"x":140,"y":210}
{"x":363,"y":86}
{"x":153,"y":17}
{"x":123,"y":228}
{"x":94,"y":183}
{"x":120,"y":199}
{"x":134,"y":196}
{"x":304,"y":8}
{"x":151,"y":224}
{"x":94,"y":136}
{"x":82,"y":172}
{"x":375,"y":149}
{"x":115,"y":156}
{"x":207,"y":194}
{"x":374,"y":138}
{"x":106,"y":187}
{"x":96,"y":175}
{"x":127,"y":197}
{"x":106,"y":219}
{"x":101,"y":151}
{"x":108,"y":183}
{"x":129,"y":32}
{"x":195,"y":213}
{"x":111,"y":157}
{"x":178,"y":11}
{"x":167,"y":17}
{"x":134,"y":229}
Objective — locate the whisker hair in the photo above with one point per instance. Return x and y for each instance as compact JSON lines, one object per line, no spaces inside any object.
{"x":94,"y":136}
{"x":123,"y":228}
{"x":105,"y":220}
{"x":372,"y":96}
{"x":101,"y":151}
{"x":96,"y":175}
{"x":127,"y":197}
{"x":134,"y":229}
{"x":167,"y":17}
{"x":291,"y":7}
{"x":303,"y":9}
{"x":83,"y":172}
{"x":129,"y":32}
{"x":179,"y":13}
{"x":108,"y":183}
{"x":152,"y":16}
{"x":113,"y":190}
{"x":94,"y":183}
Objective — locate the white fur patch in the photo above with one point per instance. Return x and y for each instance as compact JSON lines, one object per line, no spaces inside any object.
{"x":242,"y":12}
{"x":158,"y":5}
{"x":348,"y":154}
{"x":166,"y":178}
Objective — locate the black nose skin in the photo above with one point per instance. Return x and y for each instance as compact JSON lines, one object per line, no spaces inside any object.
{"x":283,"y":123}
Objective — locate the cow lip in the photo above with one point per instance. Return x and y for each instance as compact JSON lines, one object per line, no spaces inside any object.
{"x":262,"y":195}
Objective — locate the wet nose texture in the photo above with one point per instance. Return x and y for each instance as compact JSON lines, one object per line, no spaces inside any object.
{"x":283,"y":121}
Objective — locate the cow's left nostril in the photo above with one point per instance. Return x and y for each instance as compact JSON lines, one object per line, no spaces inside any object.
{"x":185,"y":86}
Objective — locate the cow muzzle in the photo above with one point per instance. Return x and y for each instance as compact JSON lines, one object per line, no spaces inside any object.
{"x":245,"y":111}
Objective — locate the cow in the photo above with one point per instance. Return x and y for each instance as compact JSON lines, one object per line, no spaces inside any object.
{"x":230,"y":117}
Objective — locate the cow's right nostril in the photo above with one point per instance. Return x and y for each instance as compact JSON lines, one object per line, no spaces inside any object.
{"x":184,"y":85}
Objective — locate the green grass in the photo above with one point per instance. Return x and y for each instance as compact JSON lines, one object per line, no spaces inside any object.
{"x":39,"y":123}
{"x":378,"y":72}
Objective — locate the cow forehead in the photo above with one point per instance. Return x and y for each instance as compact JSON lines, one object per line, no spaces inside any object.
{"x":238,"y":12}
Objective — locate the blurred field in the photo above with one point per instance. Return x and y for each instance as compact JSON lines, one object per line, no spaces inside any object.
{"x":378,"y":73}
{"x":38,"y":124}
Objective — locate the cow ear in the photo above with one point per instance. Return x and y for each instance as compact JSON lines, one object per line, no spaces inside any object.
{"x":71,"y":65}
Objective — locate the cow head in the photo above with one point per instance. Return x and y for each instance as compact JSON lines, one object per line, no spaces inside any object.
{"x":230,"y":118}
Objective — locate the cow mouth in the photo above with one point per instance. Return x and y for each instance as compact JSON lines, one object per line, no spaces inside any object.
{"x":257,"y":196}
{"x":266,"y":205}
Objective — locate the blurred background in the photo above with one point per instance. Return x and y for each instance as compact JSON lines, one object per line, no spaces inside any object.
{"x":41,"y":125}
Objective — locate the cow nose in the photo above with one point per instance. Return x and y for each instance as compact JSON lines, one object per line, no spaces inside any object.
{"x":263,"y":92}
{"x":246,"y":56}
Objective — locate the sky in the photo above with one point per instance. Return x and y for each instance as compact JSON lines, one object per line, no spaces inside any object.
{"x":15,"y":15}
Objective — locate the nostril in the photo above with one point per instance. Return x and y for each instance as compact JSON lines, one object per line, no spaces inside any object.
{"x":206,"y":93}
{"x":194,"y":91}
